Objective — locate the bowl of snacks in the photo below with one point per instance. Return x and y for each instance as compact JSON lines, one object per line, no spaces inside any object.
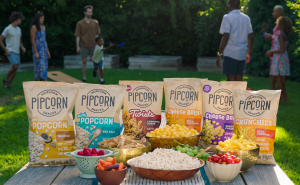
{"x":165,"y":165}
{"x":245,"y":149}
{"x":126,"y":146}
{"x":225,"y":167}
{"x":87,"y":158}
{"x":109,"y":172}
{"x":192,"y":151}
{"x":166,"y":137}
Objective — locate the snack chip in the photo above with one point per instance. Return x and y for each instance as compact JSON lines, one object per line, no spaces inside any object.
{"x":255,"y":115}
{"x":142,"y":107}
{"x":49,"y":107}
{"x":97,"y":110}
{"x":123,"y":142}
{"x":183,"y":98}
{"x":218,"y":111}
{"x":236,"y":144}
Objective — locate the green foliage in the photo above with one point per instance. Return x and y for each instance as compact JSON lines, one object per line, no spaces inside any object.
{"x":296,"y":6}
{"x":149,"y":27}
{"x":262,"y":20}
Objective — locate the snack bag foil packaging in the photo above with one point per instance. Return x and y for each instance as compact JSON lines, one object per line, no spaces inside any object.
{"x":142,"y":107}
{"x":183,"y":98}
{"x":51,"y":129}
{"x":97,"y":110}
{"x":255,"y":116}
{"x":218,"y":118}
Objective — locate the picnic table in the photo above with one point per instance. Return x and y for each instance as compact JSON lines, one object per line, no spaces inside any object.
{"x":56,"y":175}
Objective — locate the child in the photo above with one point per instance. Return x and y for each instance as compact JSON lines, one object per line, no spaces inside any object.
{"x":277,"y":14}
{"x":280,"y":65}
{"x":12,"y":35}
{"x":98,"y":58}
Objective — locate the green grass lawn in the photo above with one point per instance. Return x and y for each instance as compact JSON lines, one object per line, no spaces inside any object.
{"x":14,"y":122}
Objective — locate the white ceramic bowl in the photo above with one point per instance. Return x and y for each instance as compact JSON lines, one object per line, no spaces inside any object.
{"x":224,"y":172}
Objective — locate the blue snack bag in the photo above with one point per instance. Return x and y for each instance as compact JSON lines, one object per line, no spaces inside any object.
{"x":97,"y":107}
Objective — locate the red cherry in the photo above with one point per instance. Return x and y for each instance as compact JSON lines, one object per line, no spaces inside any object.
{"x":220,"y":154}
{"x":227,"y":154}
{"x":213,"y":156}
{"x":237,"y":160}
{"x":216,"y":159}
{"x":233,"y":156}
{"x":223,"y":158}
{"x":228,"y":161}
{"x":220,"y":161}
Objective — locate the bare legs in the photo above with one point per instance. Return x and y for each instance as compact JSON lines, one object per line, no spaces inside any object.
{"x":234,"y":77}
{"x":11,"y":75}
{"x":273,"y":81}
{"x":83,"y":68}
{"x":280,"y":80}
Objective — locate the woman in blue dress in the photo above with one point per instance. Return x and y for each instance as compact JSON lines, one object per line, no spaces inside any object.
{"x":40,"y":51}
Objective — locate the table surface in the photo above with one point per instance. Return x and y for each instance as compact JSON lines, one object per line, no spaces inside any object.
{"x":257,"y":175}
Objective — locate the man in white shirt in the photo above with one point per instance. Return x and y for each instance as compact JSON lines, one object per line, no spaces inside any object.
{"x":12,"y":35}
{"x":237,"y":35}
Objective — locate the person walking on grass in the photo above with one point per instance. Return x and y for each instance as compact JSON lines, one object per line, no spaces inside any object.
{"x":237,"y":34}
{"x":280,"y":65}
{"x":86,"y":31}
{"x":98,"y":58}
{"x":277,"y":14}
{"x":13,"y":38}
{"x":40,"y":51}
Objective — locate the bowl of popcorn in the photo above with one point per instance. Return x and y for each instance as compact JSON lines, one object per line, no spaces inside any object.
{"x":87,"y":158}
{"x":245,"y":149}
{"x":166,"y":137}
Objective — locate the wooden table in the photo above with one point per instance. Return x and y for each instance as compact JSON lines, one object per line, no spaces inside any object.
{"x":257,"y":175}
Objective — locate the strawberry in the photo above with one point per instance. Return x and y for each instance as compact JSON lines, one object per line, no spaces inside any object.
{"x":100,"y":152}
{"x":87,"y":152}
{"x":80,"y":153}
{"x":94,"y":151}
{"x":94,"y":154}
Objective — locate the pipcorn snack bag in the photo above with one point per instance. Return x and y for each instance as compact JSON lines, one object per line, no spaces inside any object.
{"x":51,"y":128}
{"x":97,"y":110}
{"x":255,"y":115}
{"x":218,"y":118}
{"x":142,"y":107}
{"x":183,"y":98}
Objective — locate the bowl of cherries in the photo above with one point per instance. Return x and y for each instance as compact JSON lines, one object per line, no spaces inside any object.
{"x":225,"y":167}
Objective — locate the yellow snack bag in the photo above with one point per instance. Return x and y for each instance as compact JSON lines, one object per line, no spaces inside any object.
{"x":51,"y":128}
{"x":255,"y":116}
{"x":183,"y":98}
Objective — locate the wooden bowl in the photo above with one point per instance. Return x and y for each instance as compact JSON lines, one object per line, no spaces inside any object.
{"x":166,"y":175}
{"x":110,"y":177}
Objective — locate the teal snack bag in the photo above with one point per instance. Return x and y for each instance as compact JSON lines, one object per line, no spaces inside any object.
{"x":97,"y":110}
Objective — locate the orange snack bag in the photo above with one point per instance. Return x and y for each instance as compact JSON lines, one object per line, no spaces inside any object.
{"x":255,"y":116}
{"x":183,"y":98}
